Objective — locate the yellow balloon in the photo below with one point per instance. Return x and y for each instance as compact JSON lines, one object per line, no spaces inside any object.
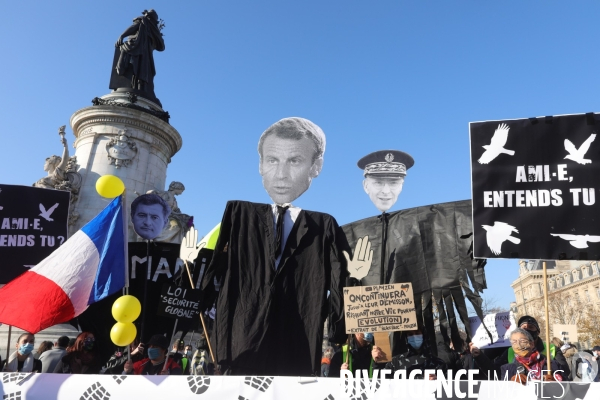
{"x":109,"y":186}
{"x":126,"y":309}
{"x":122,"y":333}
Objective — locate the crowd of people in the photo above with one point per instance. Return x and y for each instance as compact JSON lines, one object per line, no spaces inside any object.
{"x":525,"y":360}
{"x":81,"y":355}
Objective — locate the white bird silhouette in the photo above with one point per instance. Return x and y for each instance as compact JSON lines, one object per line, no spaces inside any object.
{"x":498,"y":234}
{"x":578,"y":154}
{"x":579,"y":241}
{"x":496,"y":146}
{"x":46,"y":214}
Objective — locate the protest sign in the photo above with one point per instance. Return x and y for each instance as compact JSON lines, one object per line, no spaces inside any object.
{"x":178,"y":302}
{"x":566,"y":333}
{"x":534,"y":185}
{"x":165,"y":268}
{"x":500,"y":326}
{"x":33,"y":223}
{"x":379,"y":308}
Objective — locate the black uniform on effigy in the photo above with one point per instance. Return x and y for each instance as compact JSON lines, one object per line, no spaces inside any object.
{"x":270,"y":321}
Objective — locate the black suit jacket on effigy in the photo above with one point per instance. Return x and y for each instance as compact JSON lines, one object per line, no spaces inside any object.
{"x":270,"y":322}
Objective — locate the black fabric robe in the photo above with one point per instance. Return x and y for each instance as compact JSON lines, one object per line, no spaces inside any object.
{"x":429,"y":246}
{"x":270,"y":322}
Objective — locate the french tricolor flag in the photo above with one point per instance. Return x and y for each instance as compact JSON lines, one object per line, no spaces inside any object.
{"x":85,"y":269}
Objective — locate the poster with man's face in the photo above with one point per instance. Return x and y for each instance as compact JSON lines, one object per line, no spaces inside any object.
{"x":149,"y":215}
{"x":291,"y":155}
{"x":384,"y":173}
{"x":383,"y":190}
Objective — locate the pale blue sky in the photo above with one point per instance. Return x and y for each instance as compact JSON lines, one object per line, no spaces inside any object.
{"x":373,"y":75}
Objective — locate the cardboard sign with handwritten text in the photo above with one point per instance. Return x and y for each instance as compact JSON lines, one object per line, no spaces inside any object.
{"x":176,"y":302}
{"x":380,"y":308}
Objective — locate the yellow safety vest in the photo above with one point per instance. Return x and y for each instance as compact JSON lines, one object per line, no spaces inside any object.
{"x":345,"y":351}
{"x":184,"y":362}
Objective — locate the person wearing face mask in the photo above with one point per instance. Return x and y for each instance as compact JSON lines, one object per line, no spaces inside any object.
{"x":177,"y":352}
{"x":22,"y":360}
{"x":82,"y":357}
{"x":154,"y":364}
{"x":358,"y":354}
{"x":596,"y":353}
{"x":530,"y":324}
{"x":418,"y":357}
{"x":529,"y":364}
{"x":185,"y":360}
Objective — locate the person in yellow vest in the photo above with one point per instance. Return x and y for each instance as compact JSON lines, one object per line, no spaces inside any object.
{"x":531,"y":325}
{"x":186,"y":359}
{"x":357,"y":354}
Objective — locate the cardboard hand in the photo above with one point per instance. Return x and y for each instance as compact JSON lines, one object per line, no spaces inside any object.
{"x":189,"y":249}
{"x":363,"y":256}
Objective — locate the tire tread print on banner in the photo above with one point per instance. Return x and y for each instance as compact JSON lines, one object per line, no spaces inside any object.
{"x":95,"y":392}
{"x":119,"y":378}
{"x":13,"y":377}
{"x":198,"y":384}
{"x":259,"y":382}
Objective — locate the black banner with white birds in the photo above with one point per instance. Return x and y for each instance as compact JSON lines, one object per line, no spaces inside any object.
{"x":33,"y":223}
{"x":535,"y":184}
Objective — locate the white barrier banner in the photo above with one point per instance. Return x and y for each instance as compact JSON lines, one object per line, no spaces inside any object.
{"x":21,"y":386}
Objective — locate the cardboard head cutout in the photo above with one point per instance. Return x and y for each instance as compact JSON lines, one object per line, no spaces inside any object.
{"x":291,"y":155}
{"x":384,"y":173}
{"x":149,"y":215}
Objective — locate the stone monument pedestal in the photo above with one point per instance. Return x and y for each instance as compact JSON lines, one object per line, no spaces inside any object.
{"x":124,"y":136}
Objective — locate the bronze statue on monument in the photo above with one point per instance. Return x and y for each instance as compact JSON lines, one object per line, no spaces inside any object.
{"x":133,"y":65}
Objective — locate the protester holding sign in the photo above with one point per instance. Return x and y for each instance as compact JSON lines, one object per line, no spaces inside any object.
{"x":529,"y":364}
{"x":358,"y":354}
{"x":530,"y":325}
{"x":22,"y":360}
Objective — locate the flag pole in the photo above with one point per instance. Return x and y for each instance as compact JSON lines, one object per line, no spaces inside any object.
{"x":201,"y":317}
{"x":8,"y":344}
{"x":145,"y":289}
{"x":548,"y":353}
{"x":126,"y":233}
{"x":172,"y":337}
{"x":126,"y":251}
{"x":384,"y":226}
